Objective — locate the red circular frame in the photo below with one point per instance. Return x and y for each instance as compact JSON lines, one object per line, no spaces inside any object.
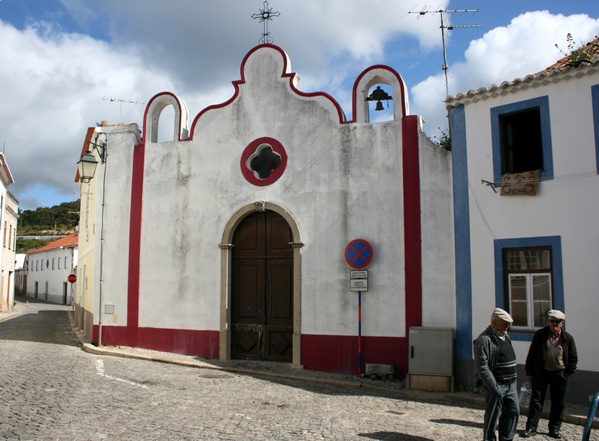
{"x":366,"y":261}
{"x":250,"y":175}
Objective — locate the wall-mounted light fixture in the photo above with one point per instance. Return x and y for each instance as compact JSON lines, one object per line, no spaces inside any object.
{"x":88,"y":162}
{"x":379,"y":95}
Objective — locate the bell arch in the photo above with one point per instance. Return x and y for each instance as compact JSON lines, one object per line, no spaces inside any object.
{"x":226,"y":247}
{"x":154,"y":110}
{"x":377,"y":75}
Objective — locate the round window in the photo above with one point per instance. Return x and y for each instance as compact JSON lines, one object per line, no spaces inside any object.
{"x":263,"y":161}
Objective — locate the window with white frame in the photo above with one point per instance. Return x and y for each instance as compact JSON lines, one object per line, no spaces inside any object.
{"x":529,"y":287}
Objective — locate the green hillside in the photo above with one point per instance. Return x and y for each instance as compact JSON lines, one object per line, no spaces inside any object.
{"x":58,"y":220}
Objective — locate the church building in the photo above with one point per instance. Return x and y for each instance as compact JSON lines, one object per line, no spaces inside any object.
{"x":239,"y":237}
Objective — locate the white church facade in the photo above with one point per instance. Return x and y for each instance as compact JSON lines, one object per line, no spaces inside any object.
{"x":229,"y":241}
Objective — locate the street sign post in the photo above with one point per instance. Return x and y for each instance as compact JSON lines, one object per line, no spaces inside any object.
{"x":359,"y":255}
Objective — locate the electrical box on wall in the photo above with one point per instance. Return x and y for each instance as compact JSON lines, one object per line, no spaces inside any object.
{"x":431,"y":358}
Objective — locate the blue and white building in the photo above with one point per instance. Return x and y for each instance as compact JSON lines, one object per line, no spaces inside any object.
{"x":525,"y":177}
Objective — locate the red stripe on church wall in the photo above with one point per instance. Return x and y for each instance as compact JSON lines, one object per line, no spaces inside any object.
{"x":412,"y":222}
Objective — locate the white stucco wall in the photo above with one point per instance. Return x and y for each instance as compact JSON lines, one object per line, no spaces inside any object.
{"x":438,"y":264}
{"x":565,"y":206}
{"x":112,"y":214}
{"x":342,"y":182}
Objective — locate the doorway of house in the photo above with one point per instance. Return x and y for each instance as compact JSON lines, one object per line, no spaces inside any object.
{"x":262,"y":289}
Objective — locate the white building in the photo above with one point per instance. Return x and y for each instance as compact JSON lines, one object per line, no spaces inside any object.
{"x":20,"y":273}
{"x":525,"y":170}
{"x":9,"y":209}
{"x":230,"y":239}
{"x":48,"y":270}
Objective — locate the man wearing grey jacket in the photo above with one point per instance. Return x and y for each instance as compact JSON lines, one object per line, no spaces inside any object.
{"x":495,"y":369}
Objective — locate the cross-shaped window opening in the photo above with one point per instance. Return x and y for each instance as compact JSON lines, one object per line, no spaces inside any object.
{"x":264,"y":161}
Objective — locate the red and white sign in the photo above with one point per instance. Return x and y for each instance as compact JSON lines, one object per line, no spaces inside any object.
{"x":72,"y":278}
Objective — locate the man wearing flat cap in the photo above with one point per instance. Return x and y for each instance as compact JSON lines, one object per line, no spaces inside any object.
{"x":551,"y":361}
{"x":495,"y":370}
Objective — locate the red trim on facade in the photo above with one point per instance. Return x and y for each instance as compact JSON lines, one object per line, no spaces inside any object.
{"x":342,"y":353}
{"x":180,"y":341}
{"x":250,"y":175}
{"x":203,"y":344}
{"x":412,"y":222}
{"x":289,"y":75}
{"x":137,"y":186}
{"x":387,"y":68}
{"x":181,"y":122}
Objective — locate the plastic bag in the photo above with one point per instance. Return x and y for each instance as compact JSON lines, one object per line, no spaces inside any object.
{"x":525,"y":394}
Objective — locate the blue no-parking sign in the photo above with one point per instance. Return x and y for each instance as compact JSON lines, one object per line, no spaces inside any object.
{"x":359,"y":254}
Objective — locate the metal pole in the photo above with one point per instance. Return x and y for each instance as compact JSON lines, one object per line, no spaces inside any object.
{"x":444,"y":55}
{"x":359,"y":333}
{"x":590,"y":418}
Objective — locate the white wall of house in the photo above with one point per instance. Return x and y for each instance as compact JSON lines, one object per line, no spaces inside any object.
{"x":9,"y":208}
{"x":47,"y":276}
{"x":565,"y":207}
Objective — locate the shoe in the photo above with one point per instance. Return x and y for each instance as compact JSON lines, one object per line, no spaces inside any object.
{"x":528,"y":433}
{"x":555,"y":434}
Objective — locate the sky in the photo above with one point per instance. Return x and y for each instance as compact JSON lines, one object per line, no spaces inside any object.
{"x":66,"y":65}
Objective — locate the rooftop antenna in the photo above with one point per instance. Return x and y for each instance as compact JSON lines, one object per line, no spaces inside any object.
{"x":426,"y":11}
{"x":266,"y":14}
{"x":115,"y":100}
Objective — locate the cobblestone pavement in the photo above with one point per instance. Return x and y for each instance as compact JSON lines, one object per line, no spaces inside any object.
{"x":52,"y":390}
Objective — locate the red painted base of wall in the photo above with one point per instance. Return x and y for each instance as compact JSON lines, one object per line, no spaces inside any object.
{"x":339,"y":354}
{"x":327,"y":353}
{"x":203,"y":344}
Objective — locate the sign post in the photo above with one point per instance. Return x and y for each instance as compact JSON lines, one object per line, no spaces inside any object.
{"x":358,"y":255}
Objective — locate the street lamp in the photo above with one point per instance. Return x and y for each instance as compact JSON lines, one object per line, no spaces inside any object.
{"x":87,"y":166}
{"x":88,"y":162}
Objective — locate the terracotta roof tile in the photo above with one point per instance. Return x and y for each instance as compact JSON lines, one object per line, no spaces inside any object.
{"x":68,"y":241}
{"x":591,"y":49}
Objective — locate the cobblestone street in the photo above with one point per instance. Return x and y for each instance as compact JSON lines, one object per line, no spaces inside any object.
{"x":53,"y":390}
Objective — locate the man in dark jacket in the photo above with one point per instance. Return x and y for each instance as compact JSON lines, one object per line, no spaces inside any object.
{"x":551,"y":361}
{"x":495,"y":368}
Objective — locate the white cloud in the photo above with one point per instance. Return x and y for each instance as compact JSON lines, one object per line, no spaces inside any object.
{"x":525,"y":46}
{"x":53,"y":85}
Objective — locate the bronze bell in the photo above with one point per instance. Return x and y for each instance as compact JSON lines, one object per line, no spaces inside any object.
{"x":379,"y":95}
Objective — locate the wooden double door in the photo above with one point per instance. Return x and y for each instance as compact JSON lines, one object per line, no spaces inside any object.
{"x":262,"y":289}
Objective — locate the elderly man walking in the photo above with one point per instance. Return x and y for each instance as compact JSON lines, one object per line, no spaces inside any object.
{"x":495,"y":368}
{"x":551,"y":361}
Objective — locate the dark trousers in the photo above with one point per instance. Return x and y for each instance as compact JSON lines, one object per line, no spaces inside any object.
{"x":558,"y":388}
{"x":501,"y":413}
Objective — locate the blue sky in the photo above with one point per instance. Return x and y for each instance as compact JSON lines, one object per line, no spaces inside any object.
{"x":64,"y":60}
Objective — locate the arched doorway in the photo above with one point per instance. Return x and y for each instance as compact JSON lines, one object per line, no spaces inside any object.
{"x":262,"y":297}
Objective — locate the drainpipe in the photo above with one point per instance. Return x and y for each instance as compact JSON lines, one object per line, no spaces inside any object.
{"x":100,"y":296}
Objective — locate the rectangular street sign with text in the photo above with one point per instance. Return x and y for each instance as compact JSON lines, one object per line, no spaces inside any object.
{"x":358,"y":285}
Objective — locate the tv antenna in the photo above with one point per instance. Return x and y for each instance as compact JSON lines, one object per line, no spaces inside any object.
{"x":116,"y":100}
{"x":443,"y":26}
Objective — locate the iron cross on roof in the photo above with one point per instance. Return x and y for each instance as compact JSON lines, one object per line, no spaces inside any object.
{"x":266,"y":14}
